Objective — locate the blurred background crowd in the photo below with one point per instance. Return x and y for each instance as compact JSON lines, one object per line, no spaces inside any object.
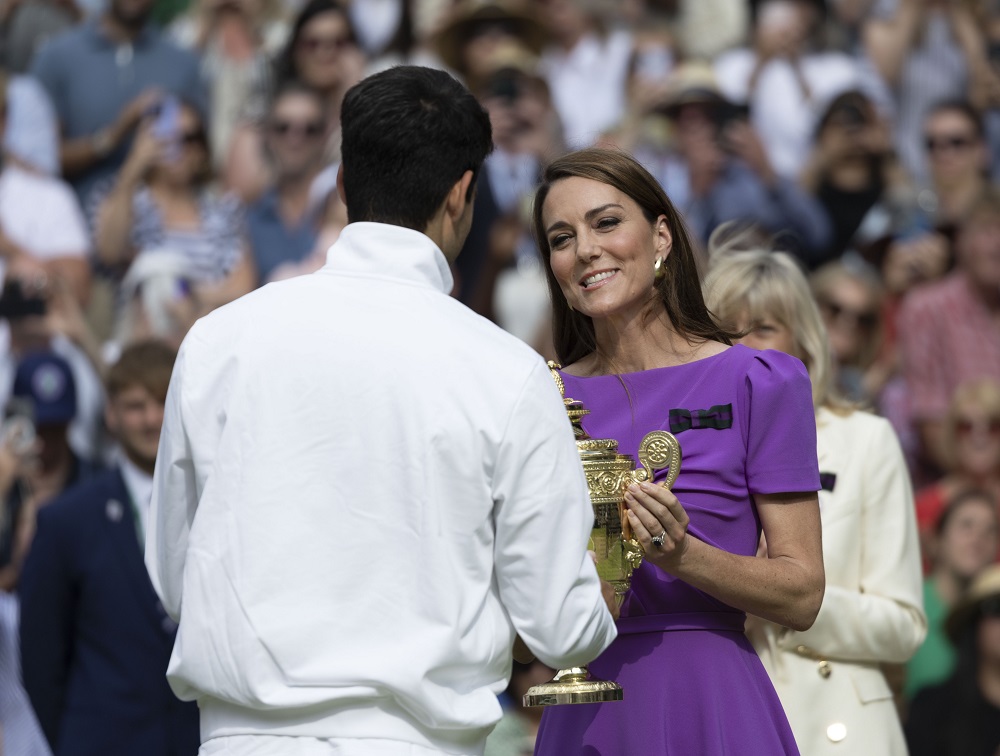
{"x":163,"y":157}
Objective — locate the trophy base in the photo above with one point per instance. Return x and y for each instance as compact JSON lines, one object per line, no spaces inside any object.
{"x":572,"y":686}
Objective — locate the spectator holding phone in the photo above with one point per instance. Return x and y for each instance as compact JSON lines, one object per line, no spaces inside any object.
{"x":161,"y":203}
{"x":103,"y":77}
{"x":786,"y":76}
{"x":719,"y":170}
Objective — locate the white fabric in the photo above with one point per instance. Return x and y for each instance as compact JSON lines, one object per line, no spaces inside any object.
{"x":139,"y":485}
{"x":263,"y":745}
{"x":783,"y":117}
{"x":872,"y":610}
{"x":32,"y":132}
{"x":21,"y":733}
{"x":588,"y":85}
{"x":41,"y":215}
{"x":376,"y":22}
{"x":363,"y":490}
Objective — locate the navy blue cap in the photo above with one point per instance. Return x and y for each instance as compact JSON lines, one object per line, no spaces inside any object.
{"x":45,"y":379}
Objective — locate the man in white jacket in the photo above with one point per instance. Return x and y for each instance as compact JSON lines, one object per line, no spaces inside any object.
{"x":364,"y":490}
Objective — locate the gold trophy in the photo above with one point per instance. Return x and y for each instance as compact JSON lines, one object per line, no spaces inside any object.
{"x":609,"y":474}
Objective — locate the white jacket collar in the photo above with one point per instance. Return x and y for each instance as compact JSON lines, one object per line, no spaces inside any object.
{"x":380,"y":250}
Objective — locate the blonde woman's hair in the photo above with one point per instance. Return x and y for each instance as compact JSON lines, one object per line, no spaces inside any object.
{"x":758,"y":283}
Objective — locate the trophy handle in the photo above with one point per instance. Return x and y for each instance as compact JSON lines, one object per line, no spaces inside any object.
{"x":657,"y":450}
{"x":554,"y":370}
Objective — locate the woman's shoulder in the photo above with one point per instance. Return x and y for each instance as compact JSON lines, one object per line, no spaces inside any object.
{"x":866,"y":428}
{"x":765,"y":367}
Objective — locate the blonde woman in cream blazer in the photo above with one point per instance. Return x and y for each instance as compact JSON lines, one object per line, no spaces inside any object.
{"x":828,"y":678}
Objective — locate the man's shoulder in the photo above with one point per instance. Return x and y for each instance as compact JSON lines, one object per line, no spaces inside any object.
{"x":944,"y":294}
{"x":65,"y":46}
{"x":77,"y":503}
{"x":163,"y":45}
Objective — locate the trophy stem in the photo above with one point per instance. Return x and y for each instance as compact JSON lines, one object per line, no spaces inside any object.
{"x":572,"y":686}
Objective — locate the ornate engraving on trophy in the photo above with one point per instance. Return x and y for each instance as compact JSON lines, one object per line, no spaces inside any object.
{"x":608,"y":475}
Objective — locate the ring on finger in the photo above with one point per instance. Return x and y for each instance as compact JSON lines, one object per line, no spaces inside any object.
{"x":659,"y":539}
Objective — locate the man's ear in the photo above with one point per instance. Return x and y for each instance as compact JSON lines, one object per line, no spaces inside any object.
{"x":457,"y":199}
{"x":340,"y":184}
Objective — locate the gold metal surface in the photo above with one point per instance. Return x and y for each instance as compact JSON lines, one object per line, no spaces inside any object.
{"x":573,"y":686}
{"x":608,"y":475}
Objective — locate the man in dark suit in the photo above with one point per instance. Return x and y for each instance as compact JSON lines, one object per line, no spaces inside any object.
{"x":95,"y":640}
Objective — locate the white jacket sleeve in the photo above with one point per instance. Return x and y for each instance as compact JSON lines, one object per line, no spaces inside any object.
{"x":546,"y":579}
{"x":175,"y":496}
{"x":882,"y":619}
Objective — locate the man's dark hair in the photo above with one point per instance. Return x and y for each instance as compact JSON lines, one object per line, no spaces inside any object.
{"x":408,"y":134}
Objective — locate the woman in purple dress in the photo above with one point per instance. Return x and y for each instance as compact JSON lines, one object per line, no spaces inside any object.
{"x":642,"y":352}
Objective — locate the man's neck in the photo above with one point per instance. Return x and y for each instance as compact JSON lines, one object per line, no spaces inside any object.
{"x":144,"y":466}
{"x":989,"y":296}
{"x":117,"y":31}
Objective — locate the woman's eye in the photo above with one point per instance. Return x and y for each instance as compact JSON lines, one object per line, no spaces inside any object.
{"x":558,"y":241}
{"x":606,"y":223}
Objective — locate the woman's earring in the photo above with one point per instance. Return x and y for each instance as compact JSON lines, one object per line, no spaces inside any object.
{"x":659,"y":268}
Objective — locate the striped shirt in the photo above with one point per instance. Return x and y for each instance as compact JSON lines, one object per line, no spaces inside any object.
{"x":212,"y":249}
{"x":948,"y":337}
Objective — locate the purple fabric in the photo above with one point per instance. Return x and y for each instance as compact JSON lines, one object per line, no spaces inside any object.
{"x":692,"y":682}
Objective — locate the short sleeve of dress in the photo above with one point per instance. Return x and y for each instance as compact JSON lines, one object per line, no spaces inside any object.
{"x":780,"y":426}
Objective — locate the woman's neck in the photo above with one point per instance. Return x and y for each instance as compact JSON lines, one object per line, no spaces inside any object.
{"x":643,"y":342}
{"x":949,"y":586}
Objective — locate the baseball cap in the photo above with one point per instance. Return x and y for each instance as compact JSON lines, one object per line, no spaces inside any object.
{"x":46,"y":380}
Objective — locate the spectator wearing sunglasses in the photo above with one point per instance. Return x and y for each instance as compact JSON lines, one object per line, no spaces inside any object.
{"x":849,"y":296}
{"x":322,"y":53}
{"x":921,"y":245}
{"x":284,"y":225}
{"x":961,"y":717}
{"x":958,"y":161}
{"x":948,"y":331}
{"x":972,"y":439}
{"x":161,"y":203}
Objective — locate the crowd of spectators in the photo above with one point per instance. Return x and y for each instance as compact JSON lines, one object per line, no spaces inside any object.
{"x":164,"y":157}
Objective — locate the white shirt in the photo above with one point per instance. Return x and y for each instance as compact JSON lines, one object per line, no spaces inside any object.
{"x":363,"y":490}
{"x":41,"y":215}
{"x":785,"y":119}
{"x":139,"y":485}
{"x":589,"y":84}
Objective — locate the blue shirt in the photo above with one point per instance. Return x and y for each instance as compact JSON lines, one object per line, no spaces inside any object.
{"x":271,"y":241}
{"x":91,"y":78}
